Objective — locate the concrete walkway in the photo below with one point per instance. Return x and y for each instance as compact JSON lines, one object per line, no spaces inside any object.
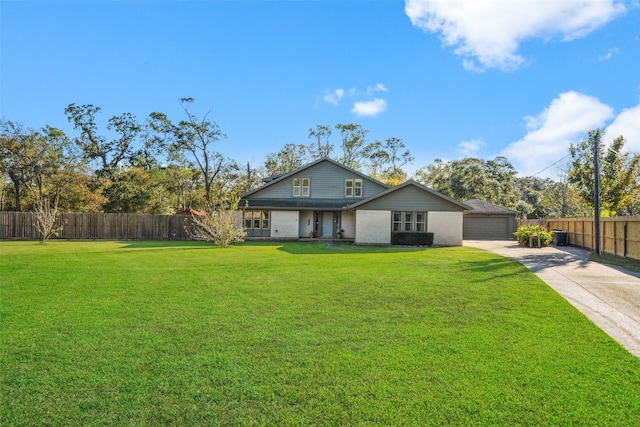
{"x":608,"y":295}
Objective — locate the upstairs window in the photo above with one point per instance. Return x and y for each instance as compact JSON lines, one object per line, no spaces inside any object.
{"x":301,"y":187}
{"x":353,"y":188}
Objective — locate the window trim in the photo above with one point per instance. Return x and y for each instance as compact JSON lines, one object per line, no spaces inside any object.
{"x":353,"y":187}
{"x":301,"y":187}
{"x":407,"y":221}
{"x":256,"y":220}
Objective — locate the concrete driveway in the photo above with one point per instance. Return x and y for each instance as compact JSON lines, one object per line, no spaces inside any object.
{"x":608,"y":295}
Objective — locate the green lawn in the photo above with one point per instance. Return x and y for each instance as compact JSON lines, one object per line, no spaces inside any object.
{"x":183,"y":333}
{"x":629,"y":263}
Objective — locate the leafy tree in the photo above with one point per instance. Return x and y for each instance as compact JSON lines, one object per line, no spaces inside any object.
{"x":562,"y":201}
{"x":386,"y":160}
{"x":501,"y":175}
{"x":130,"y":192}
{"x":249,"y":179}
{"x":619,"y":182}
{"x":35,"y":159}
{"x":181,"y":182}
{"x":82,"y":192}
{"x":469,"y":179}
{"x":321,"y":147}
{"x":531,"y":191}
{"x":122,"y":151}
{"x":436,"y":175}
{"x":472,"y":178}
{"x":5,"y":191}
{"x":194,"y":138}
{"x":19,"y":151}
{"x":291,"y":157}
{"x":353,"y":144}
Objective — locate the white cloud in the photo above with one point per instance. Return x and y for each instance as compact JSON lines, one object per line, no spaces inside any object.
{"x":490,"y":31}
{"x":609,"y":54}
{"x":469,"y":148}
{"x":627,"y":124}
{"x":377,"y":88}
{"x":366,"y":107}
{"x":333,"y":97}
{"x":567,"y":119}
{"x":369,"y":108}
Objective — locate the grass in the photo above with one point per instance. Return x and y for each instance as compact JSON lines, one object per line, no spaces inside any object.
{"x":182,"y":333}
{"x":628,"y":263}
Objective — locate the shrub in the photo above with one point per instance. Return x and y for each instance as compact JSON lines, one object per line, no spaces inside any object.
{"x":408,"y":238}
{"x":45,"y":216}
{"x":534,"y":235}
{"x":221,"y":226}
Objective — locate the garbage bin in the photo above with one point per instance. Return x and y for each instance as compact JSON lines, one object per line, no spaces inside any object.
{"x":560,"y":238}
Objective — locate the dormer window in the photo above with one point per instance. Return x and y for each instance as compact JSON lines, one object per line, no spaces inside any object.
{"x":301,"y":187}
{"x":353,"y":188}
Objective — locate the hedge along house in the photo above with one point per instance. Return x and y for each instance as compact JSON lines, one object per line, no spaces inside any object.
{"x":409,"y":208}
{"x":486,"y":221}
{"x":326,"y":199}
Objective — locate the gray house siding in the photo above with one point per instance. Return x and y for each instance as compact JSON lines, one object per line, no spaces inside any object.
{"x":327,"y":211}
{"x":327,"y":181}
{"x":410,"y":198}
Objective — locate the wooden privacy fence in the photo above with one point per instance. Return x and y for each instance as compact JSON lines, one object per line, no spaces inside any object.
{"x":20,"y":225}
{"x":618,"y":235}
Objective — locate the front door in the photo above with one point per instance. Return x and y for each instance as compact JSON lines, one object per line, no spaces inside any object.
{"x":327,"y":224}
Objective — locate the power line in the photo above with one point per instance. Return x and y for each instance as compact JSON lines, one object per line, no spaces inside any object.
{"x":553,"y":164}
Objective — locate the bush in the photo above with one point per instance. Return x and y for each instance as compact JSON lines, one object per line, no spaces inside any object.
{"x":534,"y":236}
{"x":412,"y":239}
{"x":221,"y":226}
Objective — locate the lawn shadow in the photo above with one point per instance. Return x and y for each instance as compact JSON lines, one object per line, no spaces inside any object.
{"x":494,"y":268}
{"x":333,"y":247}
{"x":539,"y":259}
{"x":166,"y":244}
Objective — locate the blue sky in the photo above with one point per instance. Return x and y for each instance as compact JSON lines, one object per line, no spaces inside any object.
{"x":452,"y":79}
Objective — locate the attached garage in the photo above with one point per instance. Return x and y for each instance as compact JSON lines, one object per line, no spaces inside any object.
{"x":486,"y":221}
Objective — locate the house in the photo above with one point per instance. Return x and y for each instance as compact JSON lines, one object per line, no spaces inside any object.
{"x":486,"y":221}
{"x":326,"y":199}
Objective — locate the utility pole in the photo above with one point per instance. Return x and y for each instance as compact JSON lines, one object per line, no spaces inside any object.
{"x":595,"y":137}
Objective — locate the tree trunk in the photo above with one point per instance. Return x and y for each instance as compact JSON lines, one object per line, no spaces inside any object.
{"x":16,"y":188}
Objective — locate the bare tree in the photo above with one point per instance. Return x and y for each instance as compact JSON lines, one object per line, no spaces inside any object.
{"x":46,"y":215}
{"x":221,"y":226}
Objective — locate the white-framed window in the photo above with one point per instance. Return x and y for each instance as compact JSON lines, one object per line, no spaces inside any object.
{"x":255,"y":220}
{"x":410,"y":221}
{"x":407,"y":222}
{"x":357,"y":187}
{"x":301,"y":187}
{"x":353,"y":188}
{"x":421,"y":221}
{"x":397,"y":221}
